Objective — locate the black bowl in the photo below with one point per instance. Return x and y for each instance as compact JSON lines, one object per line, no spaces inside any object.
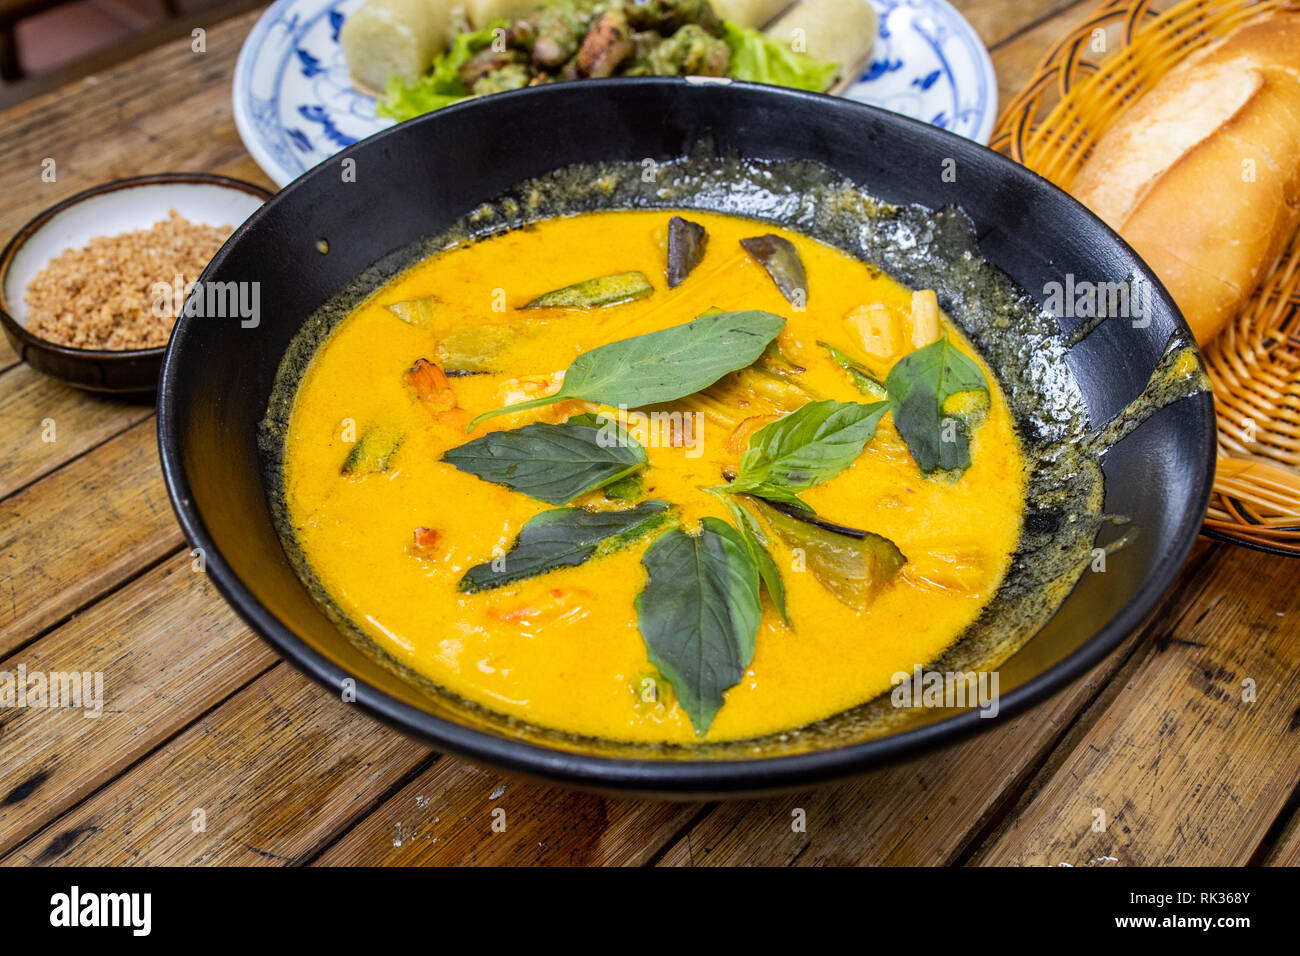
{"x":415,"y":180}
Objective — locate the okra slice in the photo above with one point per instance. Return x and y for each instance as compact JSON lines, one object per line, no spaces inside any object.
{"x":596,"y":293}
{"x":374,"y":450}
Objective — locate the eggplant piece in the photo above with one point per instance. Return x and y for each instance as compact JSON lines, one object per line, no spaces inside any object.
{"x":863,"y":380}
{"x":419,"y":312}
{"x":686,"y":242}
{"x":853,"y":565}
{"x":596,"y":293}
{"x":373,"y":453}
{"x":781,"y":260}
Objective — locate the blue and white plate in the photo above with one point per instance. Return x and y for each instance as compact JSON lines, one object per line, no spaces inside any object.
{"x":295,"y":105}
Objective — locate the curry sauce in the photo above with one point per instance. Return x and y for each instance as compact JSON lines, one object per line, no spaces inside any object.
{"x":563,"y":649}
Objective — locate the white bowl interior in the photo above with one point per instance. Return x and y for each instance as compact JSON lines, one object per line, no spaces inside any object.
{"x":118,"y":211}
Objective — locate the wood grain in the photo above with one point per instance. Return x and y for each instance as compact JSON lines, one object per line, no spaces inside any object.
{"x":1286,"y":851}
{"x":168,"y":648}
{"x":75,"y":535}
{"x":456,"y":813}
{"x":168,"y":110}
{"x":1185,"y":770}
{"x":1016,"y":58}
{"x":277,"y":770}
{"x":923,"y":813}
{"x":997,"y":21}
{"x":34,"y":408}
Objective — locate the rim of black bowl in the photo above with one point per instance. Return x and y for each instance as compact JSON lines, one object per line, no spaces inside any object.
{"x":673,"y":777}
{"x":20,"y":238}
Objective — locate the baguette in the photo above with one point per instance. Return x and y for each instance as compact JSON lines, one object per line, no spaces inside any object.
{"x":1202,"y":175}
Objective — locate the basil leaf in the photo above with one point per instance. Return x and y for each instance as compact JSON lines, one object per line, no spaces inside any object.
{"x":919,"y":384}
{"x":662,"y":366}
{"x":563,"y":538}
{"x":757,"y":542}
{"x":552,"y":463}
{"x":812,"y":444}
{"x":699,"y":614}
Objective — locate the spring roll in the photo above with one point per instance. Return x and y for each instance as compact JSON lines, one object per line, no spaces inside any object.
{"x":483,"y":12}
{"x":842,"y":31}
{"x":394,"y":38}
{"x":748,"y":13}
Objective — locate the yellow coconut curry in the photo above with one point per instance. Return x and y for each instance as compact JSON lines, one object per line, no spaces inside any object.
{"x":654,"y":477}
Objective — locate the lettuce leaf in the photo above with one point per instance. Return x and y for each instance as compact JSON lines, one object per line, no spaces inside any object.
{"x":758,"y":58}
{"x":754,"y":56}
{"x":441,"y":86}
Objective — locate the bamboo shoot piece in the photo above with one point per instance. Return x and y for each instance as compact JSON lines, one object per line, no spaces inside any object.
{"x":925,"y":318}
{"x":877,"y":330}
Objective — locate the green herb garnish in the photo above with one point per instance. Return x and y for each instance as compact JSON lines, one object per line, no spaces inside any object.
{"x":552,"y":463}
{"x":699,"y":614}
{"x":812,"y":444}
{"x":920,"y":386}
{"x":563,"y":538}
{"x":661,"y":366}
{"x":757,"y":542}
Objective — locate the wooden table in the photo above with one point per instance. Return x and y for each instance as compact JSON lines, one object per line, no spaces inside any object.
{"x":211,"y":750}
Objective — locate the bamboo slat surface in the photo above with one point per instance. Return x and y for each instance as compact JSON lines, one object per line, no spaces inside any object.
{"x":211,"y":751}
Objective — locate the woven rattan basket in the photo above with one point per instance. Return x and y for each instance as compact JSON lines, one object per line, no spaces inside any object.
{"x":1081,"y":87}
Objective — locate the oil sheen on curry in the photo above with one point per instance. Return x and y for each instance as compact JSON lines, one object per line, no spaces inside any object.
{"x":653,"y":477}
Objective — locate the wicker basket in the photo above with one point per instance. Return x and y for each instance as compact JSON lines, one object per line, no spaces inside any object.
{"x":1081,"y":87}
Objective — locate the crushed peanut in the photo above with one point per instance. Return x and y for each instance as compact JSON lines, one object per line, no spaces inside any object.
{"x":103,"y":296}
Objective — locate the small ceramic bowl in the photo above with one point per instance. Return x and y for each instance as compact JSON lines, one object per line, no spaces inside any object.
{"x":116,"y":207}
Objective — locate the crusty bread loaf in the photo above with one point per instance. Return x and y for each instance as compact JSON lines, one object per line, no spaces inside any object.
{"x":1202,"y":175}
